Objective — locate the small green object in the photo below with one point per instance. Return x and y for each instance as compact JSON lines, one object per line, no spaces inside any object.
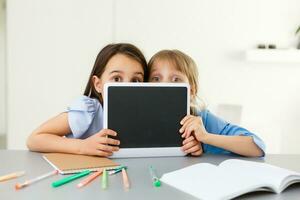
{"x":155,"y":180}
{"x":157,"y":183}
{"x":70,"y":178}
{"x":104,"y":179}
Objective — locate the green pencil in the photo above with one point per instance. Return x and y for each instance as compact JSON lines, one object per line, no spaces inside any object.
{"x":104,"y":179}
{"x":70,"y":178}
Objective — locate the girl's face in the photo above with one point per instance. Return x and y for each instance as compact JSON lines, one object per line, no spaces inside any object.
{"x":120,"y":68}
{"x":165,"y":71}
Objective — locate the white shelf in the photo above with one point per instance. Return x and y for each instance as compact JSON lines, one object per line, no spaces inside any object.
{"x":273,"y":55}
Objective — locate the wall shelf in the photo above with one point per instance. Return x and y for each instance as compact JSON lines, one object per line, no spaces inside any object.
{"x":273,"y":55}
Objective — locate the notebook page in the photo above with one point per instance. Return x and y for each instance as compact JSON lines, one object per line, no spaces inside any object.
{"x":205,"y":181}
{"x":265,"y":174}
{"x":289,"y":181}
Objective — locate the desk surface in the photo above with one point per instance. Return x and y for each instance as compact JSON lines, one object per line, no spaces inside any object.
{"x":141,"y":185}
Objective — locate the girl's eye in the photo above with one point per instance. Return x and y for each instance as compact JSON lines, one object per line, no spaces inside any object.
{"x":117,"y":79}
{"x":155,"y":79}
{"x":176,"y":79}
{"x":136,"y":80}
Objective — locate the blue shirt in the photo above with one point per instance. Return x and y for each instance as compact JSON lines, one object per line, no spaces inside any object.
{"x":85,"y":116}
{"x":216,"y":125}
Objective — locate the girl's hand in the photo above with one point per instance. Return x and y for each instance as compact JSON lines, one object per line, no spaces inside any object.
{"x":192,"y":146}
{"x":99,"y":144}
{"x":193,"y":125}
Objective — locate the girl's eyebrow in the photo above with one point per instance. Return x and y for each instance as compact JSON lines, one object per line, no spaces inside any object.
{"x":121,"y":72}
{"x":154,"y":69}
{"x":116,"y":71}
{"x":178,"y":73}
{"x":139,"y":73}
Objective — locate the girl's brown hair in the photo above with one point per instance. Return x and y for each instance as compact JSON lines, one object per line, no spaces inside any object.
{"x":102,"y":59}
{"x":184,"y":64}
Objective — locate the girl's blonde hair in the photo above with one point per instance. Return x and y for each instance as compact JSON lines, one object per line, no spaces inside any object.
{"x":184,"y":64}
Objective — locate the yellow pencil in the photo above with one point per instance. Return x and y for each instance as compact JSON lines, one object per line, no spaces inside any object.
{"x":11,"y":176}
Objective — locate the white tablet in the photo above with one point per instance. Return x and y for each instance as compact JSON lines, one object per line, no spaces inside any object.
{"x":146,"y":117}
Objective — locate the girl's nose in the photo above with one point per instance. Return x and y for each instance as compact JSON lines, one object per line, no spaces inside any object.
{"x":126,"y":80}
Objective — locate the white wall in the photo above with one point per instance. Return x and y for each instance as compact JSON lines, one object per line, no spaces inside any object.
{"x":2,"y":68}
{"x":50,"y":61}
{"x":51,"y":48}
{"x":216,"y":34}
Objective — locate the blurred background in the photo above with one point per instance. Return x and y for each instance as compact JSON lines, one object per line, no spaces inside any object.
{"x":48,"y":47}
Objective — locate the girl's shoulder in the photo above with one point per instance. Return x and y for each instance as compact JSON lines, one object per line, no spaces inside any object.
{"x":81,"y":114}
{"x":84,"y":103}
{"x":203,"y":113}
{"x":209,"y":118}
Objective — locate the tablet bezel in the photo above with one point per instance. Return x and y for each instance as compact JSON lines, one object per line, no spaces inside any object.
{"x":144,"y":152}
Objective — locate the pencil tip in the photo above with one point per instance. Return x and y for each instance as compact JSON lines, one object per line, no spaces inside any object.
{"x":18,"y":186}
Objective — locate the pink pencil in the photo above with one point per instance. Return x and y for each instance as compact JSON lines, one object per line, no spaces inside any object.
{"x":125,"y":179}
{"x":89,"y":179}
{"x":39,"y":178}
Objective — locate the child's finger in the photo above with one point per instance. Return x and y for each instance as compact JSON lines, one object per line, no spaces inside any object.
{"x":185,"y":118}
{"x":190,"y":128}
{"x":107,"y":148}
{"x":103,"y":153}
{"x":107,"y":140}
{"x":113,"y":141}
{"x":105,"y":132}
{"x":185,"y":127}
{"x":197,"y":153}
{"x":192,"y":149}
{"x":189,"y":145}
{"x":188,"y":140}
{"x":186,"y":123}
{"x":181,"y":130}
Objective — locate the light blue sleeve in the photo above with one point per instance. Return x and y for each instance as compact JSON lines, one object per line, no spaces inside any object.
{"x":216,"y":125}
{"x":81,"y":114}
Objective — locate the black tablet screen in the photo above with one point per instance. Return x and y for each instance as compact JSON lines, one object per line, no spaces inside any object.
{"x":147,"y":116}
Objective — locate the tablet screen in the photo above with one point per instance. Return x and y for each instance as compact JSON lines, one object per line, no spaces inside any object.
{"x":147,"y":116}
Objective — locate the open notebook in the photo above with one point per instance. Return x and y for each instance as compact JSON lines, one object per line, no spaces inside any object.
{"x":71,"y":163}
{"x":230,"y":179}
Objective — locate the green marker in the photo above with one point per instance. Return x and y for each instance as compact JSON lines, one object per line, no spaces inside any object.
{"x":70,"y":178}
{"x":104,"y":179}
{"x":155,"y":179}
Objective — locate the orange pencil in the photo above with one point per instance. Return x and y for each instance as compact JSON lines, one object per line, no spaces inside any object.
{"x":12,"y":176}
{"x":89,"y":179}
{"x":125,"y":179}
